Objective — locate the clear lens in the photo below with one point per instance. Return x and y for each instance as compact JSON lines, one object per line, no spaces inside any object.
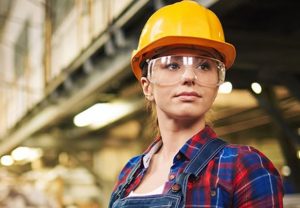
{"x":169,"y":70}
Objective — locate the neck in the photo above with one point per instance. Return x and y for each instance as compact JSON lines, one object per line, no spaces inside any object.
{"x":176,"y":132}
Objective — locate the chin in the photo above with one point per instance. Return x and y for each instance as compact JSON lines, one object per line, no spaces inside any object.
{"x":193,"y":111}
{"x":189,"y":115}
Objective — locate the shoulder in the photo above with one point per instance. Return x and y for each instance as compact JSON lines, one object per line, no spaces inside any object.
{"x":129,"y":166}
{"x":127,"y":170}
{"x":240,"y":149}
{"x":248,"y":160}
{"x":243,"y":160}
{"x":248,"y":157}
{"x":123,"y":176}
{"x":255,"y":176}
{"x":256,"y":181}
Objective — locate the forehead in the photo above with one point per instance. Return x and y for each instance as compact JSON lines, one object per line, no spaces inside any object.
{"x":188,"y":50}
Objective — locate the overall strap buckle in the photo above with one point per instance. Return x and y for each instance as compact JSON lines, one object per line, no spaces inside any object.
{"x":207,"y":152}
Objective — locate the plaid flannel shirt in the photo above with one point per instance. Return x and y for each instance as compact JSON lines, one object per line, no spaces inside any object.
{"x":239,"y":176}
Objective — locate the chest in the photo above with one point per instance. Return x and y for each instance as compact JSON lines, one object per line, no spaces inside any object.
{"x":209,"y":190}
{"x":214,"y":186}
{"x":155,"y":176}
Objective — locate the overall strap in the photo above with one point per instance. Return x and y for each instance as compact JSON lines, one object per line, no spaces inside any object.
{"x":207,"y":152}
{"x":129,"y":179}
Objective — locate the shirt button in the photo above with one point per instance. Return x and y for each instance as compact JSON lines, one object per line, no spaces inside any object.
{"x":176,"y":187}
{"x":213,"y":192}
{"x":171,"y":177}
{"x":194,"y":178}
{"x":178,"y":156}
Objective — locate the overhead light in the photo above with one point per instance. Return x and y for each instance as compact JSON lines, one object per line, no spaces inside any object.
{"x":102,"y":114}
{"x":256,"y":87}
{"x":7,"y":160}
{"x":286,"y":170}
{"x":298,"y":154}
{"x":26,"y":153}
{"x":225,"y":88}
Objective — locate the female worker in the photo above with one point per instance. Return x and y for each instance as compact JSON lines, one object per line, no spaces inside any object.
{"x":180,"y":62}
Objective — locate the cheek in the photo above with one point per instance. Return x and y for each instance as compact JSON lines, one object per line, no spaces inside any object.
{"x":161,"y":95}
{"x":210,"y":95}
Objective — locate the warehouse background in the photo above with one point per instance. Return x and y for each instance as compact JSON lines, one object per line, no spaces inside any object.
{"x":62,"y":61}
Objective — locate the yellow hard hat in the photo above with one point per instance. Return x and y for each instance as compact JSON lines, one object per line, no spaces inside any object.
{"x":182,"y":23}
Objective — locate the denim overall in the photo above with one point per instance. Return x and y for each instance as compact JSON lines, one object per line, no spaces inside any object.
{"x":176,"y":196}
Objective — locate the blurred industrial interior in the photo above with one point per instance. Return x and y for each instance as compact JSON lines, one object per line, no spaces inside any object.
{"x":72,"y":112}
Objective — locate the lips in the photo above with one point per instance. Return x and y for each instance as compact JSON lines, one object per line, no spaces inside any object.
{"x":187,"y":94}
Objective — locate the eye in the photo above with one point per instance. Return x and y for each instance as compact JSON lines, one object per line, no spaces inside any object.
{"x":205,"y":66}
{"x":172,"y":66}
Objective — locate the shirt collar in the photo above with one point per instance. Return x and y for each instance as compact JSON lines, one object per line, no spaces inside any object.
{"x":193,"y":145}
{"x":189,"y":149}
{"x":152,"y":149}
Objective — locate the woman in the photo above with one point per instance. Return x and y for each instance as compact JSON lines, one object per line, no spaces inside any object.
{"x":180,"y":62}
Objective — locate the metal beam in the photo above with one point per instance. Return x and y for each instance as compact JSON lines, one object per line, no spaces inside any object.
{"x":98,"y":43}
{"x":289,"y":141}
{"x":265,"y":50}
{"x":98,"y":81}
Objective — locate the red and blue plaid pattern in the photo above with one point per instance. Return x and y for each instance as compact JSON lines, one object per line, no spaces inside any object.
{"x":239,"y":176}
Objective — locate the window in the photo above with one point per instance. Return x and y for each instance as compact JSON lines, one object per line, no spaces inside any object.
{"x":21,"y":51}
{"x":60,"y":9}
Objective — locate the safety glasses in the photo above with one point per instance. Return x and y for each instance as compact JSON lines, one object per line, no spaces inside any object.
{"x":172,"y":69}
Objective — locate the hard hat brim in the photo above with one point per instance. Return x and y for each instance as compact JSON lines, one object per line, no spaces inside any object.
{"x":226,"y":50}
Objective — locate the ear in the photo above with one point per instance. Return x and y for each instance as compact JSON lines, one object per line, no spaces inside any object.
{"x":147,"y":88}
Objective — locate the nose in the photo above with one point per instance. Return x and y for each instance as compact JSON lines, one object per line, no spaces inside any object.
{"x":189,"y":75}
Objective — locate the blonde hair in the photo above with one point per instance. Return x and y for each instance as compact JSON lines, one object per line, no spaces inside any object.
{"x":153,"y":121}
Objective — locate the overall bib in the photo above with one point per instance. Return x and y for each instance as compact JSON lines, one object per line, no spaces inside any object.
{"x":176,"y":196}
